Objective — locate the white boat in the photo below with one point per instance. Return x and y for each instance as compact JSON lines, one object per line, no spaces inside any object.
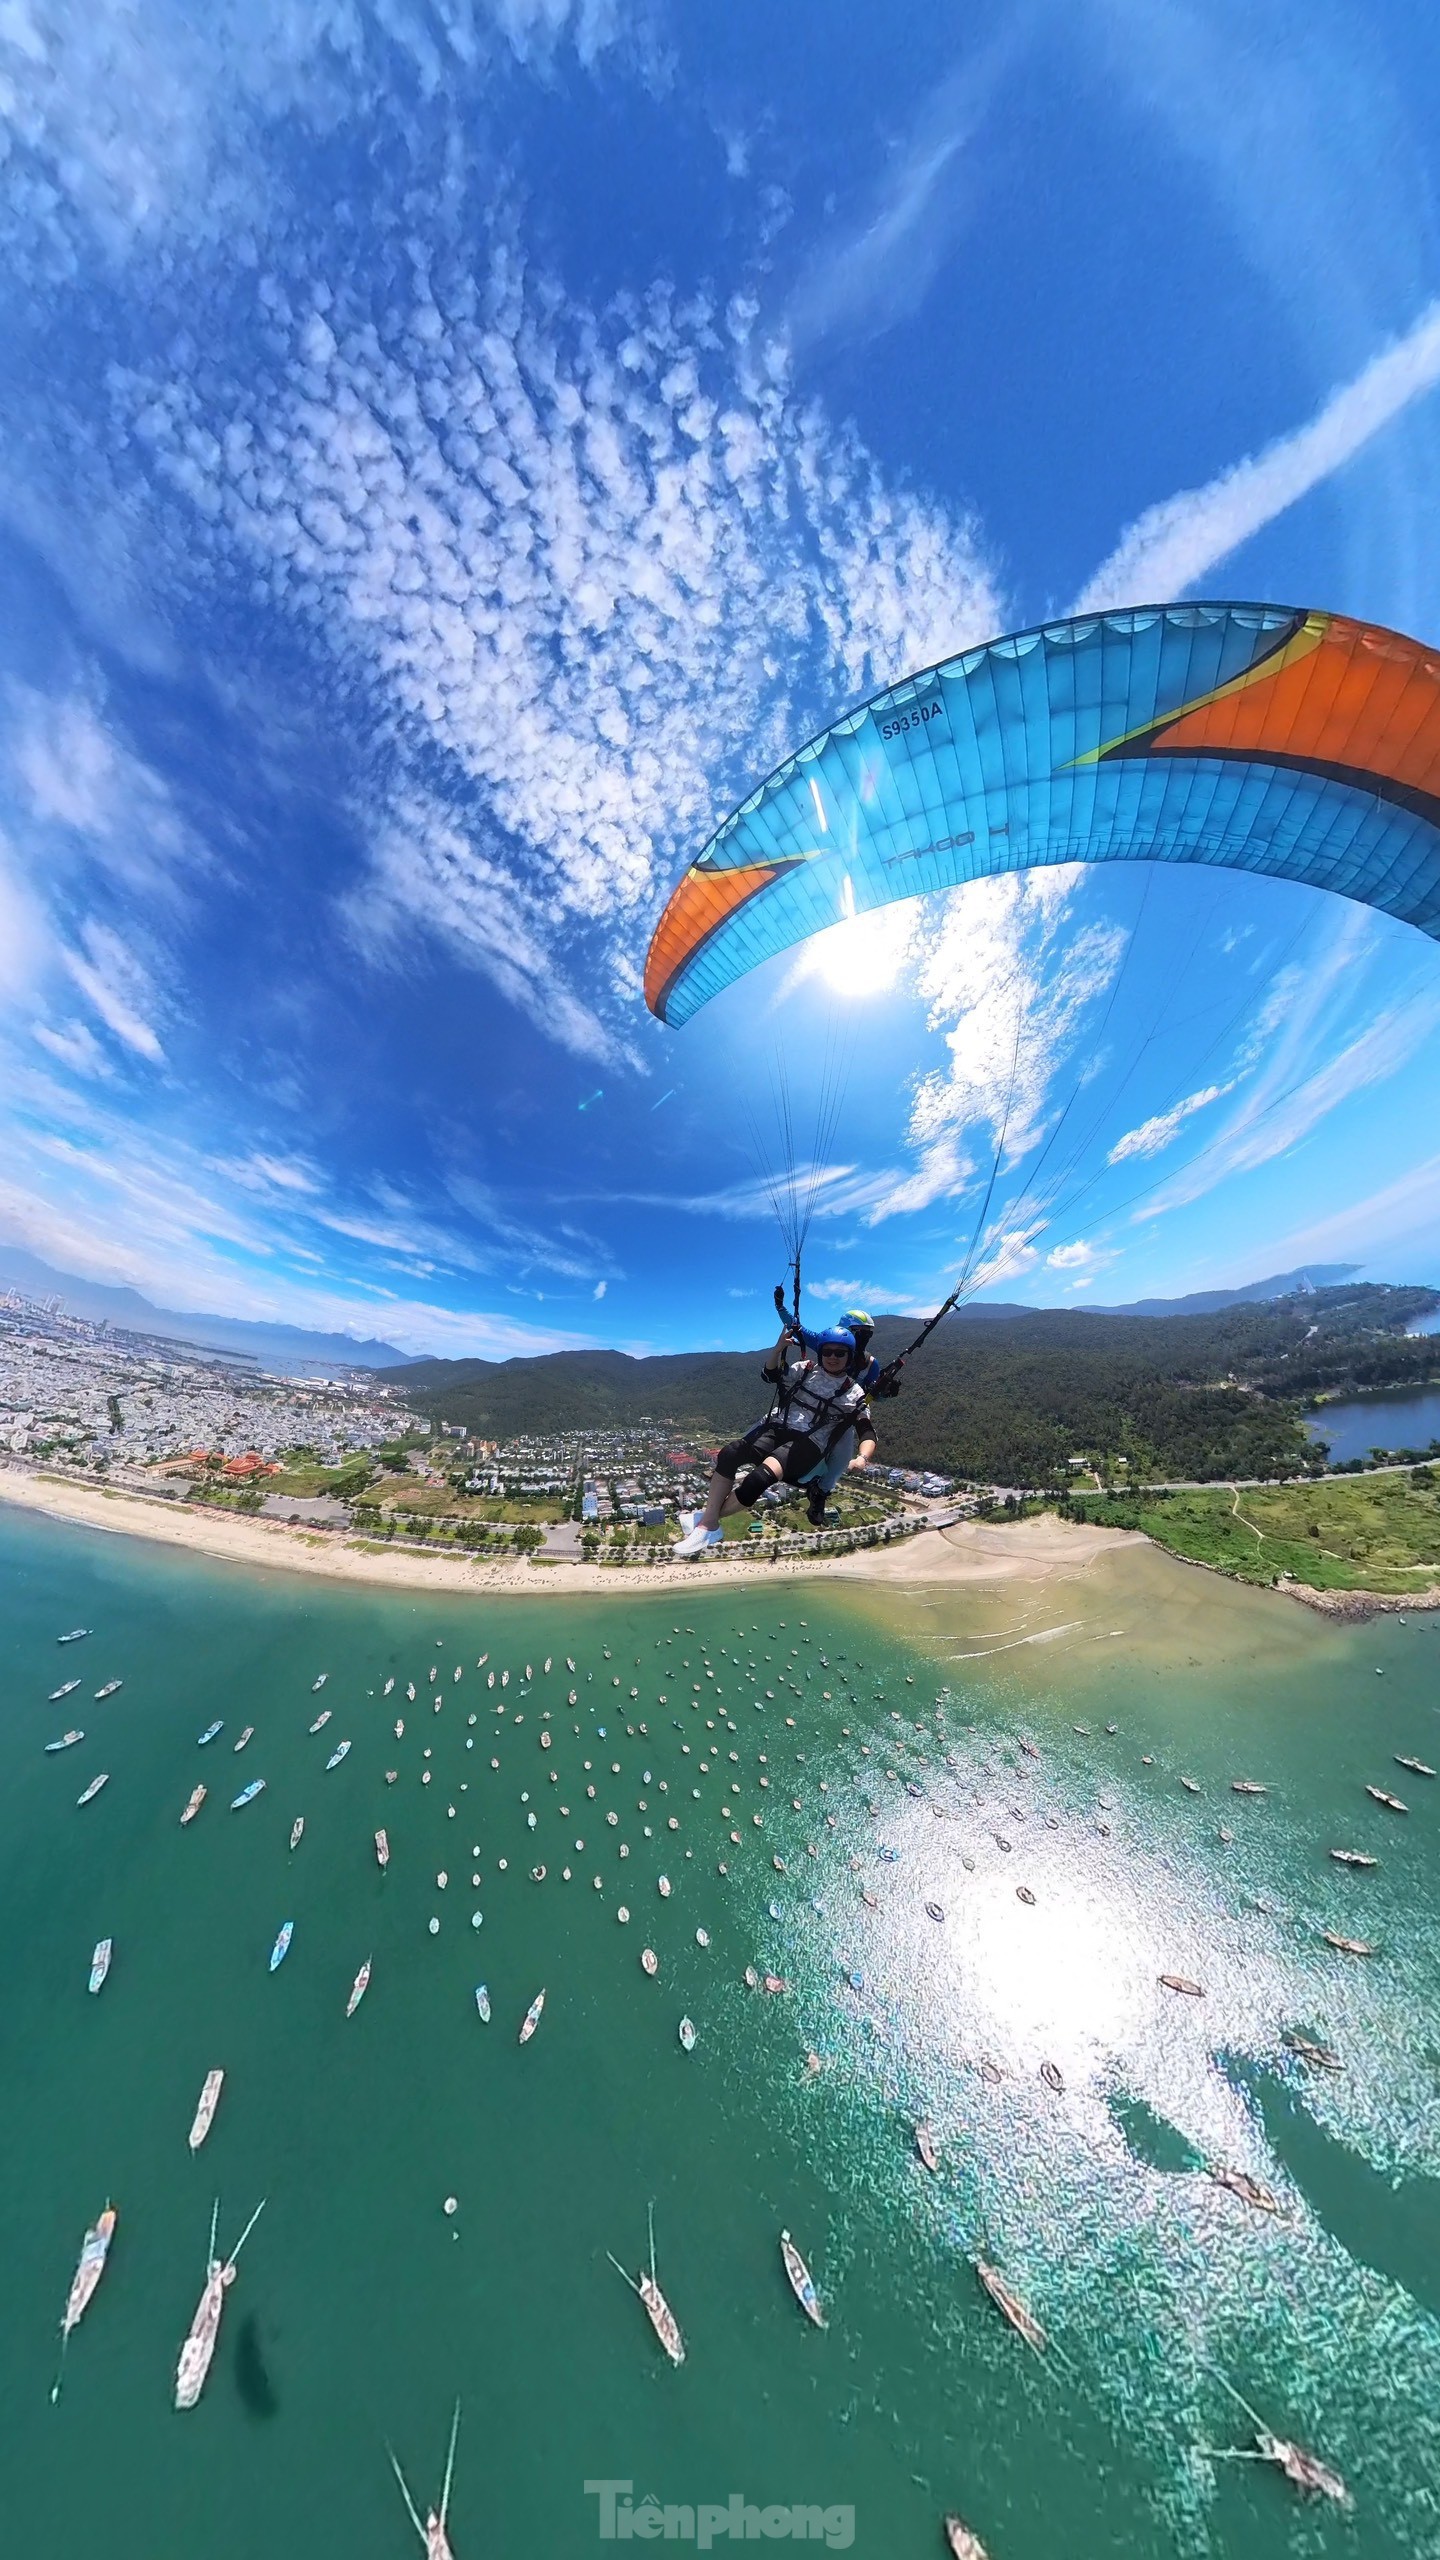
{"x":205,"y":2111}
{"x":323,"y":1718}
{"x":320,"y":1683}
{"x":281,"y":1948}
{"x":197,"y":1798}
{"x":211,"y":1730}
{"x":100,"y":1962}
{"x":94,"y":1787}
{"x":199,"y":2347}
{"x":110,"y":1688}
{"x":75,"y":1635}
{"x":482,"y":2002}
{"x":66,"y":1741}
{"x":399,"y":1728}
{"x":247,"y":1736}
{"x":657,"y":2310}
{"x":297,"y":1830}
{"x":434,"y":2532}
{"x":382,"y":1850}
{"x":358,"y":1988}
{"x":531,"y":2019}
{"x":337,"y":1755}
{"x":64,"y":1690}
{"x":410,"y":1691}
{"x":687,"y":2034}
{"x":248,"y":1794}
{"x":389,"y":1685}
{"x":802,"y":2283}
{"x":89,"y":2270}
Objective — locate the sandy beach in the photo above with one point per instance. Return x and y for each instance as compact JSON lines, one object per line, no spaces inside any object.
{"x":1026,"y":1551}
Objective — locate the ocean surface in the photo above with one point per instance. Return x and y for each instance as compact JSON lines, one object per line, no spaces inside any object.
{"x":362,"y":2308}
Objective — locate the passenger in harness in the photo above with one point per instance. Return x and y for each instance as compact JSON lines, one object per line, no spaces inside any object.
{"x":821,"y":1483}
{"x":818,"y":1404}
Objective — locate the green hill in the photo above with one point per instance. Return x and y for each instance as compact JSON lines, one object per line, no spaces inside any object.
{"x":1006,"y":1398}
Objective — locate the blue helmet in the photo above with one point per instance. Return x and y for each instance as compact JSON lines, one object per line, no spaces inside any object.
{"x":835,"y":1338}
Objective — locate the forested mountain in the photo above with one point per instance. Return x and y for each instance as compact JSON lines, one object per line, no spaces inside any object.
{"x":1010,"y":1400}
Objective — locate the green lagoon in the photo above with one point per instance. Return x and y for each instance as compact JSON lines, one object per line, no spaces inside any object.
{"x":362,"y":2308}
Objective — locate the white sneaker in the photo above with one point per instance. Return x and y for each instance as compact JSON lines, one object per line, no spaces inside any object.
{"x":697,"y":1540}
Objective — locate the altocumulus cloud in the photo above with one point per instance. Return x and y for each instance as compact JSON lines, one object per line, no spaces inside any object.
{"x":590,"y":573}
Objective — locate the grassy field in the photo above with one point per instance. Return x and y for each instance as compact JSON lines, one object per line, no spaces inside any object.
{"x":1359,"y":1533}
{"x":409,"y":1496}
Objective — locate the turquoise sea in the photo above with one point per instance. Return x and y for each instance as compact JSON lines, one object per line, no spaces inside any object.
{"x":362,"y":2309}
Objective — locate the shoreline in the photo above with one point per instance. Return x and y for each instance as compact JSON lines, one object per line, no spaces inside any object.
{"x":1038,"y":1550}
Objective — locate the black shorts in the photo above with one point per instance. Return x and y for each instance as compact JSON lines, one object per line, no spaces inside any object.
{"x":799,"y":1455}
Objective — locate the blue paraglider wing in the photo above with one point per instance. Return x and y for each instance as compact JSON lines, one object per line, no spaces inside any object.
{"x":1257,"y":738}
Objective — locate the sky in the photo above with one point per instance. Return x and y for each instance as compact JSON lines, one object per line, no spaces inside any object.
{"x":451,"y":450}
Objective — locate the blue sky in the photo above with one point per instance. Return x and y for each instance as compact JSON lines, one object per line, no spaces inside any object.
{"x":451,"y":449}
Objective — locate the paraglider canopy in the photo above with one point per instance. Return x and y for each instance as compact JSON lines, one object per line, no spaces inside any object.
{"x":1253,"y":737}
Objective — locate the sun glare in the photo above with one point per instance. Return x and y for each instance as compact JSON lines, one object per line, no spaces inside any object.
{"x":865,"y":955}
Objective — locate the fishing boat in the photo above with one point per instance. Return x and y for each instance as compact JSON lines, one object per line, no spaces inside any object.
{"x":247,"y":1736}
{"x":410,"y":1691}
{"x":1249,"y":2190}
{"x":663,"y":1887}
{"x":297,"y":1830}
{"x":657,"y":2310}
{"x":1050,"y":2073}
{"x":323,"y":1718}
{"x":67,"y":1741}
{"x":964,"y":2544}
{"x":64,"y":1690}
{"x":211,"y":1730}
{"x":248,"y":1794}
{"x":94,"y":1788}
{"x":197,"y":1798}
{"x":1353,"y":1858}
{"x":1305,"y":2471}
{"x":389,"y":1685}
{"x":205,"y":2111}
{"x":358,"y":1988}
{"x":1421,"y":1768}
{"x":1191,"y":1786}
{"x":94,"y":2251}
{"x":109,"y":1688}
{"x":1347,"y":1946}
{"x":934,"y":1911}
{"x":687,"y":2034}
{"x":531,"y":2019}
{"x":1182,"y":1982}
{"x":399,"y":1728}
{"x":75,"y":1635}
{"x":382,"y":1850}
{"x":281,"y":1948}
{"x":434,"y":2532}
{"x":1321,"y":2055}
{"x":1008,"y":2303}
{"x":337,"y":1755}
{"x":1247,"y":1787}
{"x":802,"y":2283}
{"x":1392,"y":1804}
{"x":100,"y":1962}
{"x":320,"y":1683}
{"x":199,"y":2347}
{"x":925,"y":2146}
{"x":482,"y":2002}
{"x":1023,"y":1892}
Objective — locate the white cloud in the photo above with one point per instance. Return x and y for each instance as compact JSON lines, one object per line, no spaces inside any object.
{"x":75,"y":1045}
{"x":118,"y":987}
{"x":1404,"y":1212}
{"x":600,"y":1288}
{"x":1156,"y":1133}
{"x":128,"y":123}
{"x":1008,"y":977}
{"x":1071,"y":1257}
{"x":604,"y":568}
{"x":879,"y":272}
{"x":1176,"y":544}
